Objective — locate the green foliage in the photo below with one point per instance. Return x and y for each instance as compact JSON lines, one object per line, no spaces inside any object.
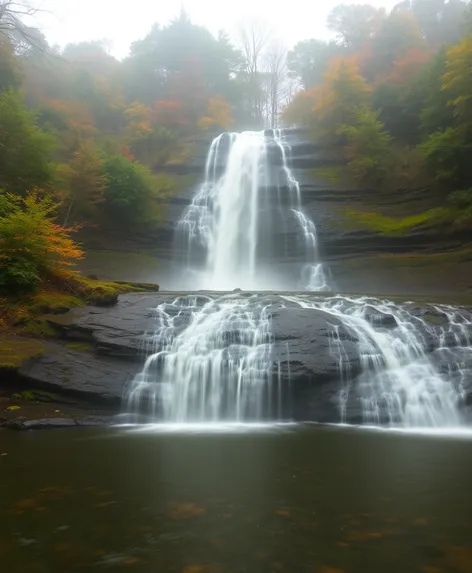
{"x":353,"y":23}
{"x":308,"y":60}
{"x":462,"y":200}
{"x":32,"y":245}
{"x":389,"y":226}
{"x":368,"y":148}
{"x":24,"y":149}
{"x":82,"y":183}
{"x":131,"y":190}
{"x":10,"y":77}
{"x":447,"y":156}
{"x":155,"y":147}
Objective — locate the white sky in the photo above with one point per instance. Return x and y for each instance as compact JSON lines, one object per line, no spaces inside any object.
{"x":123,"y":21}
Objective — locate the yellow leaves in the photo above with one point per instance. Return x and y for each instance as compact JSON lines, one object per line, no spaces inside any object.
{"x":204,"y":123}
{"x":13,"y":408}
{"x":300,"y":111}
{"x":458,"y":78}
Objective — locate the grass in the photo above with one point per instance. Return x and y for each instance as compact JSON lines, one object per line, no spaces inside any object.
{"x":57,"y":296}
{"x":332,"y":175}
{"x":14,"y":352}
{"x":390,"y":226}
{"x":80,"y":346}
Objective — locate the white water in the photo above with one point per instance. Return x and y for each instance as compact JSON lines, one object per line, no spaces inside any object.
{"x":399,"y":383}
{"x":223,"y":366}
{"x":214,"y":358}
{"x":217,"y":368}
{"x":238,"y":219}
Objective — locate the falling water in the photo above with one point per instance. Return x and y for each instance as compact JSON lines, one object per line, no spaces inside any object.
{"x":212,"y":361}
{"x":234,"y":223}
{"x":217,"y":357}
{"x":400,"y":382}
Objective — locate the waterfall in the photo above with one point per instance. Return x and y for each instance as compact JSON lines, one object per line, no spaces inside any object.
{"x":217,"y":358}
{"x":217,"y":367}
{"x":223,"y":357}
{"x":235,"y":221}
{"x":399,"y":382}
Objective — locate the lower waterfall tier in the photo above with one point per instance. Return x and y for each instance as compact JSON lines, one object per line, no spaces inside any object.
{"x":252,"y":357}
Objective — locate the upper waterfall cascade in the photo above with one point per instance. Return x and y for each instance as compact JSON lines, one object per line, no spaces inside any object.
{"x":248,"y":195}
{"x":244,"y":357}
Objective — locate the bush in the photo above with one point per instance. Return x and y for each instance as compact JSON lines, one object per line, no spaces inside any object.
{"x":132,"y":190}
{"x":32,"y":245}
{"x":368,"y":148}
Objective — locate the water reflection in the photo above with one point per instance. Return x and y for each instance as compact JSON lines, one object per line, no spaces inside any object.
{"x":294,"y":499}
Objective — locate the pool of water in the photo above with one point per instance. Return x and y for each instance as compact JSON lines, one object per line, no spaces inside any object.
{"x":266,"y":500}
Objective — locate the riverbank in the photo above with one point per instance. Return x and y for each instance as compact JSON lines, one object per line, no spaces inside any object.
{"x":34,"y":332}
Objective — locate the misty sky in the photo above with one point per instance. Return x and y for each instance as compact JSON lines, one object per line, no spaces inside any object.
{"x":122,"y":22}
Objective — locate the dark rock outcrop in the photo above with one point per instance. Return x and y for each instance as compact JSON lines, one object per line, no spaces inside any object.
{"x":81,"y":374}
{"x":316,"y":354}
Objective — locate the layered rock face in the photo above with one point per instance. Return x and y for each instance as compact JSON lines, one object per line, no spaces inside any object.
{"x":327,"y":359}
{"x":358,"y":259}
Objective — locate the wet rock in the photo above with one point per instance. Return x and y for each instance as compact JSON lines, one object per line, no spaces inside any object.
{"x":118,"y":331}
{"x":96,"y":379}
{"x":382,"y":319}
{"x":48,"y":424}
{"x":308,"y":345}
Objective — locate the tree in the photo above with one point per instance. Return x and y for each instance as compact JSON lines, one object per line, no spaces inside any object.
{"x":447,"y":157}
{"x":397,"y":34}
{"x":354,"y":24}
{"x":368,"y":148}
{"x":92,"y":57}
{"x":9,"y":66}
{"x":308,"y":60}
{"x":435,"y":112}
{"x":32,"y":245}
{"x":275,"y":72}
{"x":253,"y":39}
{"x":154,"y":147}
{"x":13,"y":28}
{"x":457,"y":81}
{"x":300,"y":110}
{"x":176,"y":51}
{"x":218,"y":115}
{"x":84,"y":183}
{"x":407,"y":68}
{"x":343,"y":94}
{"x":25,"y":150}
{"x":128,"y":189}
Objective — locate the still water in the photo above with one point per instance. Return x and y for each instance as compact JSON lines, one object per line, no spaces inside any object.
{"x":288,"y":499}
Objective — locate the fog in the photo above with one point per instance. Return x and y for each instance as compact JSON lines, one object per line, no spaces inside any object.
{"x":121,"y":23}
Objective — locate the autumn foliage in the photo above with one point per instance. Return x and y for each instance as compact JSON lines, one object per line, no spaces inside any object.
{"x":32,"y":244}
{"x":390,"y":105}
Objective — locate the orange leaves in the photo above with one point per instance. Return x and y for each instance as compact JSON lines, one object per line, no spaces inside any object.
{"x":169,"y":113}
{"x":300,"y":110}
{"x":77,"y":115}
{"x":407,"y":67}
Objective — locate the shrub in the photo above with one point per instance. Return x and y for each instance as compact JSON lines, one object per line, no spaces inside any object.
{"x":132,"y":190}
{"x":32,"y":245}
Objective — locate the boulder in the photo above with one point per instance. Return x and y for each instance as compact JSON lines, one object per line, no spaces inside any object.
{"x":93,"y":378}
